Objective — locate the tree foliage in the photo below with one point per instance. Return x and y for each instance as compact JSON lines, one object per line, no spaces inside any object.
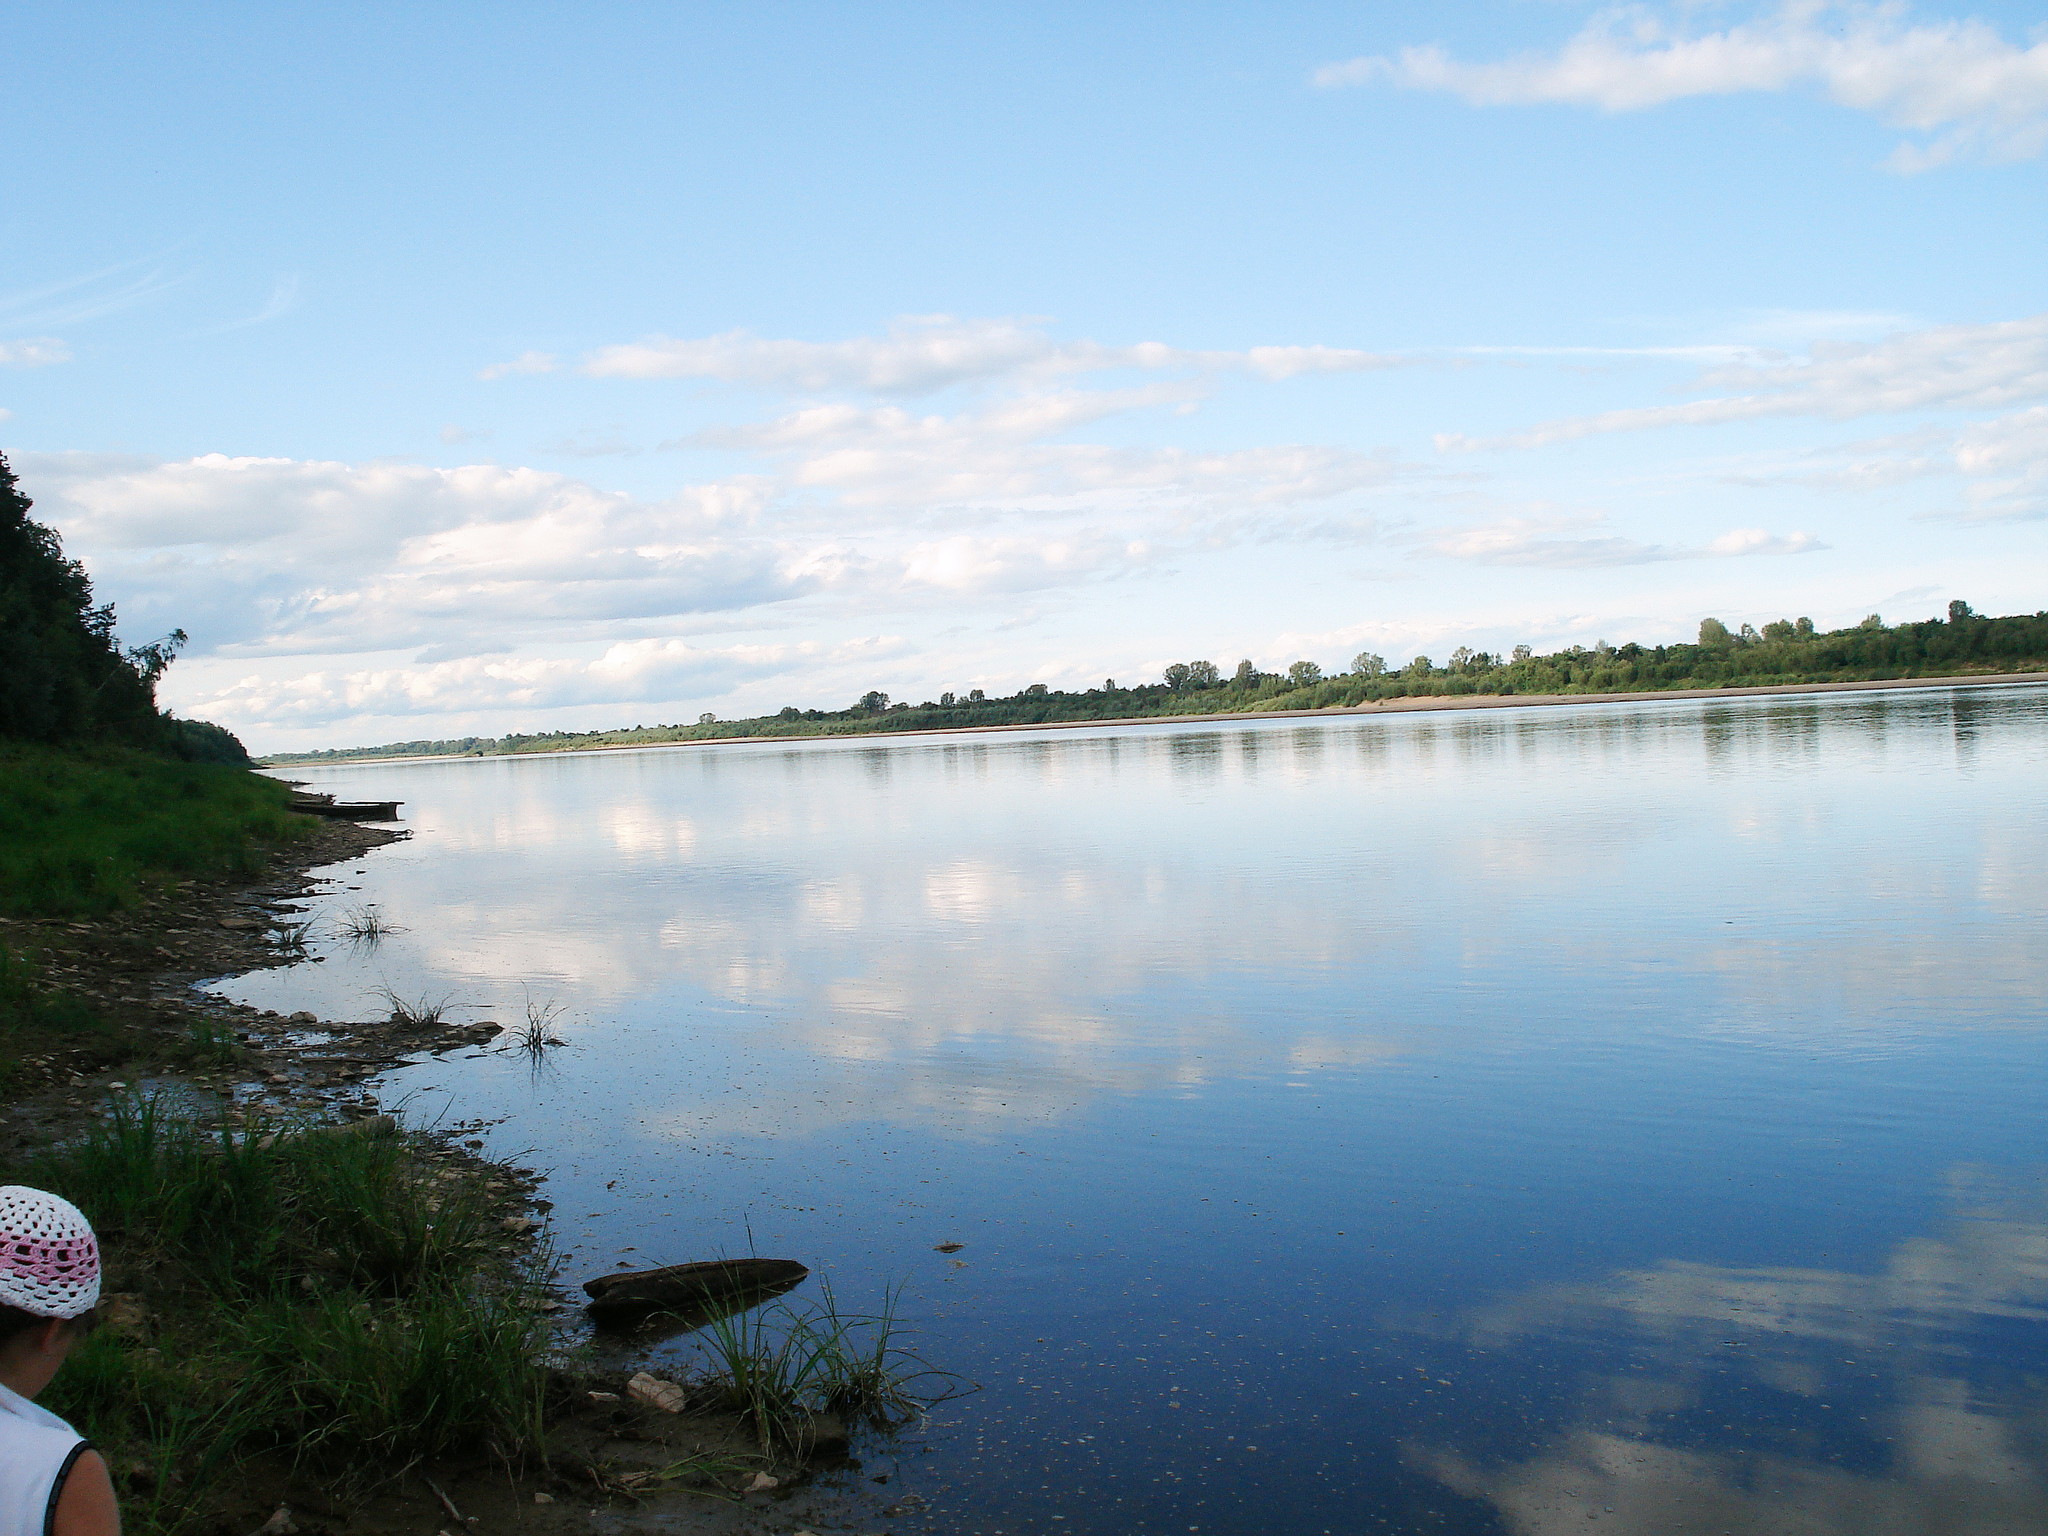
{"x":64,"y":677}
{"x":1783,"y":651}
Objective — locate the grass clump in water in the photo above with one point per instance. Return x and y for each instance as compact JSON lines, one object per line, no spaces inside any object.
{"x":778,"y":1367}
{"x":365,"y":924}
{"x":314,"y":1294}
{"x":536,"y":1032}
{"x":421,"y":1012}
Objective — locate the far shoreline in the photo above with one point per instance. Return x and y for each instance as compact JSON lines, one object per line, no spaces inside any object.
{"x":1417,"y":703}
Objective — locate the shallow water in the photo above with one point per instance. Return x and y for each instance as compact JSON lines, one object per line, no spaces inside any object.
{"x":1615,"y":1117}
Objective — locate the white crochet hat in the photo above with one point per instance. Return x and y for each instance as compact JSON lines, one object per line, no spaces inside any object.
{"x":49,"y":1259}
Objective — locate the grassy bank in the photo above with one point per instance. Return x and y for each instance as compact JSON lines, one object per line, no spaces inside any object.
{"x":1788,"y":652}
{"x":322,"y":1298}
{"x":87,"y":830}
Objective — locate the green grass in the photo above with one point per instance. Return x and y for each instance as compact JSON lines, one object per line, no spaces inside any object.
{"x":777,"y":1366}
{"x":422,"y":1012}
{"x":324,"y":1296}
{"x":88,"y":831}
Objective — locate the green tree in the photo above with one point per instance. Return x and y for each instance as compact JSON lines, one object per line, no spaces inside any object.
{"x":1246,"y":675}
{"x":1959,"y":611}
{"x":1203,"y":674}
{"x":874,"y":702}
{"x":63,"y":676}
{"x":1304,"y":674}
{"x":1715,"y":634}
{"x":1368,"y":664}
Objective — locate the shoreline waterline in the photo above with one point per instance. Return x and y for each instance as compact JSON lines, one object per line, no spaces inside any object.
{"x":1412,"y":704}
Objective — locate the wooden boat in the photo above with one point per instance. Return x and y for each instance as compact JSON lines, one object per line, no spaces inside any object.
{"x":689,"y":1288}
{"x":348,"y":810}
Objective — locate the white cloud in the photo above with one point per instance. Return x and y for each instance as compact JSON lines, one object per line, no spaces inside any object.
{"x":924,"y":354}
{"x":1951,"y":367}
{"x":283,"y":554}
{"x":636,"y":671}
{"x":886,"y":456}
{"x":2007,"y":460}
{"x":1535,"y":541}
{"x":1958,"y":83}
{"x":33,"y":352}
{"x":867,"y":506}
{"x":524,"y":363}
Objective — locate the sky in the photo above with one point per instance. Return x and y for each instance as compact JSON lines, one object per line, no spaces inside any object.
{"x":461,"y":369}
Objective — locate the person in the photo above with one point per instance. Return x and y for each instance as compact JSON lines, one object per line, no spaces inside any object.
{"x":52,"y":1483}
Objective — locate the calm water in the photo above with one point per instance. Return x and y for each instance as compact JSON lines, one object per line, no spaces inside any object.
{"x":1626,"y":1118}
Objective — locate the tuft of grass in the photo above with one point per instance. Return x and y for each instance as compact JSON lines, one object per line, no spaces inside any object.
{"x":778,"y":1366}
{"x":364,"y":923}
{"x":316,"y":1292}
{"x":536,"y":1033}
{"x":213,"y":1043}
{"x":89,"y":830}
{"x":291,"y":937}
{"x":421,"y":1012}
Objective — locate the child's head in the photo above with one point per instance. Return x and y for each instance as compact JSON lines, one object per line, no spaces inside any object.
{"x":49,"y":1263}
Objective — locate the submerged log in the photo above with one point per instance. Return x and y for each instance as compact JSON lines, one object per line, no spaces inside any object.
{"x":689,"y":1288}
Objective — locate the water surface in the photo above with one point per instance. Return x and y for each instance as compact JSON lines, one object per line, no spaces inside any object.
{"x":1618,"y":1117}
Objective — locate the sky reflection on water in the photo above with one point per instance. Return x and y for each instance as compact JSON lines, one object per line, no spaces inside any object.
{"x":1491,"y":1118}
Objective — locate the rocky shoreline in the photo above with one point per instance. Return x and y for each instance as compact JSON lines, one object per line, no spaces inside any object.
{"x":612,"y":1453}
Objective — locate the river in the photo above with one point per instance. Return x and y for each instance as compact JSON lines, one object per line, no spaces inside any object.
{"x":1625,"y":1117}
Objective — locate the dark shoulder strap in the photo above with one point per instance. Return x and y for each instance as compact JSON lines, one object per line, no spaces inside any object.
{"x":57,"y":1487}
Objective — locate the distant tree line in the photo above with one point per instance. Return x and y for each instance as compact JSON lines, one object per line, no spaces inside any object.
{"x":1783,"y":652}
{"x":64,"y":677}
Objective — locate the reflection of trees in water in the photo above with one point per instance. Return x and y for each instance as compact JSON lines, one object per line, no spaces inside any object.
{"x":1807,"y":1401}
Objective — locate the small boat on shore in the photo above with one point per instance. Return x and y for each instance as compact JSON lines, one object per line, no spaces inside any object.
{"x":348,"y":810}
{"x":706,"y":1287}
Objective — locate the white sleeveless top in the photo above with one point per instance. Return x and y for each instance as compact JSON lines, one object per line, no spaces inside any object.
{"x":36,"y":1452}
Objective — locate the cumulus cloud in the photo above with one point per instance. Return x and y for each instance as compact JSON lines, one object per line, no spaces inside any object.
{"x":1958,"y":84}
{"x":1535,"y":541}
{"x":1951,"y":367}
{"x":33,"y":352}
{"x":270,"y":553}
{"x":635,"y":671}
{"x":867,"y":505}
{"x":925,"y":354}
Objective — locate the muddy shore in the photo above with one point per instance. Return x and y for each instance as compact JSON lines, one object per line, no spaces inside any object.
{"x":610,"y":1463}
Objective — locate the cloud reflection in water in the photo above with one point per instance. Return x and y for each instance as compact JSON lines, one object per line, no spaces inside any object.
{"x":1809,"y":1401}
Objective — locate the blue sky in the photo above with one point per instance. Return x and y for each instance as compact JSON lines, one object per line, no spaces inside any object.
{"x":458,"y":368}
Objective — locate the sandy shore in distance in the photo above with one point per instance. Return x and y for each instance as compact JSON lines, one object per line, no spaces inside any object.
{"x":1382,"y":707}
